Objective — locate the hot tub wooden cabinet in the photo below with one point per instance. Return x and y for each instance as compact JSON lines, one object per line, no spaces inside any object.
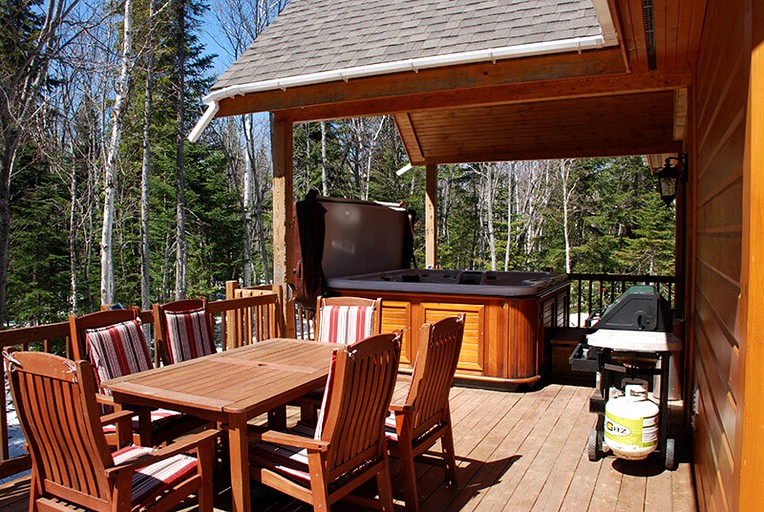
{"x":507,"y":314}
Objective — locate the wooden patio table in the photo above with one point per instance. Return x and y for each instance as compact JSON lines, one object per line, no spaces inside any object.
{"x":231,"y":388}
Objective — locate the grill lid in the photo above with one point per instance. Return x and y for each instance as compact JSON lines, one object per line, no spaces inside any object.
{"x":640,"y":308}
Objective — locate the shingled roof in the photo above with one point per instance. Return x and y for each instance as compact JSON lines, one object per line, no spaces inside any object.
{"x":312,"y":36}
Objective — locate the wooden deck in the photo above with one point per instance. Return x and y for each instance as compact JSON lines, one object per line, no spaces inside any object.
{"x":516,"y":451}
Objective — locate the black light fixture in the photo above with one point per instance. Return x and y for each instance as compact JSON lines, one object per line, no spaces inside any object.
{"x":669,"y":177}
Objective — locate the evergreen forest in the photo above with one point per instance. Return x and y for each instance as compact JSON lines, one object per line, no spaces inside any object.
{"x":103,"y":199}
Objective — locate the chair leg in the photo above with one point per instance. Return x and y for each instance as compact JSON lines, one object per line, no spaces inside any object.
{"x":385,"y":487}
{"x":449,"y":459}
{"x":408,"y":475}
{"x":206,"y":455}
{"x":277,"y":418}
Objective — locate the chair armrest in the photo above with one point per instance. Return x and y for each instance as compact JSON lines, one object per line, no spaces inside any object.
{"x":182,"y":446}
{"x":274,"y":436}
{"x":401,"y":408}
{"x":105,"y":399}
{"x":117,"y":417}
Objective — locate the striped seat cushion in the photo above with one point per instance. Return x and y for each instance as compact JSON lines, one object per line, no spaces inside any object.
{"x":160,"y":418}
{"x":188,"y":335}
{"x":152,"y":480}
{"x":346,"y":324}
{"x":284,"y":459}
{"x":391,"y":432}
{"x":118,"y":350}
{"x":290,"y":460}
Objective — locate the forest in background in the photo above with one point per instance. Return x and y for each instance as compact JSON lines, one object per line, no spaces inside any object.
{"x":104,"y":200}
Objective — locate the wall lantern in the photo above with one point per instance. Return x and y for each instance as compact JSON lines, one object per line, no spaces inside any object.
{"x":669,"y":176}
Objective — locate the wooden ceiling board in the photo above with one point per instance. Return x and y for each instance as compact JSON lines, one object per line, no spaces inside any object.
{"x":611,"y":125}
{"x":630,"y":13}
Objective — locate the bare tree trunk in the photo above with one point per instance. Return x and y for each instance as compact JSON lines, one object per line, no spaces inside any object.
{"x":181,"y":254}
{"x":110,"y":171}
{"x":249,"y":179}
{"x":73,"y":239}
{"x":370,"y":154}
{"x":490,"y":198}
{"x":566,"y":195}
{"x":324,"y":174}
{"x":510,"y":202}
{"x":146,"y":166}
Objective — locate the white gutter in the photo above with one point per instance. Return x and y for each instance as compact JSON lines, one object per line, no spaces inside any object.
{"x":578,"y":44}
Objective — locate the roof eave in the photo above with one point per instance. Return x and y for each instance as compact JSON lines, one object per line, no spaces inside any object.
{"x":578,"y":44}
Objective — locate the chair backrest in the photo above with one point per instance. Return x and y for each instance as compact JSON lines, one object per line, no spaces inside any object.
{"x":346,"y":320}
{"x":183,"y":330}
{"x":358,"y":393}
{"x":264,"y":318}
{"x":434,"y":368}
{"x":112,"y":341}
{"x":56,"y":405}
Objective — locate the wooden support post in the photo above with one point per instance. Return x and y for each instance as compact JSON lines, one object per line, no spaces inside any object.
{"x":283,"y":223}
{"x":751,"y":317}
{"x":431,"y":216}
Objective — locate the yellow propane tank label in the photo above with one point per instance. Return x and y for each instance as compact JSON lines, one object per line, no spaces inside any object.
{"x":640,"y":432}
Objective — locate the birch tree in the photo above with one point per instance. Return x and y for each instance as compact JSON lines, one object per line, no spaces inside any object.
{"x":567,"y":193}
{"x":181,"y":246}
{"x":110,"y":167}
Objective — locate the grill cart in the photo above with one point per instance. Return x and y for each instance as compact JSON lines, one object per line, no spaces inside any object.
{"x":629,"y":346}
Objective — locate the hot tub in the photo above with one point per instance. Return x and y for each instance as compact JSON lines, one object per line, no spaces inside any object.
{"x":507,"y":315}
{"x":363,"y":249}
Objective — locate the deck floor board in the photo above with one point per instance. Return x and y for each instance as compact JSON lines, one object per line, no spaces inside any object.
{"x":516,"y":451}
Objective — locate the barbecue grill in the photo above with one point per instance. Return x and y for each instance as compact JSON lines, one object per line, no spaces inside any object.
{"x":631,"y":343}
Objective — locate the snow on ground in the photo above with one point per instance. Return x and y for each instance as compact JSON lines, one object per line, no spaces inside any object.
{"x":15,"y":436}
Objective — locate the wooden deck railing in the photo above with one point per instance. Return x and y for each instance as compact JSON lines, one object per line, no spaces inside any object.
{"x":248,"y":318}
{"x":591,"y":293}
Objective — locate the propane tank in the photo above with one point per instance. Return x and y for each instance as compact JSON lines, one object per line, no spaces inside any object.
{"x":631,"y":423}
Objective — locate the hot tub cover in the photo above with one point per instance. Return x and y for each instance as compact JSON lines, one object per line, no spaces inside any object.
{"x":341,"y":237}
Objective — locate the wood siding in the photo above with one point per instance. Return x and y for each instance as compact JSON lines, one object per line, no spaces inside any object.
{"x":719,"y":150}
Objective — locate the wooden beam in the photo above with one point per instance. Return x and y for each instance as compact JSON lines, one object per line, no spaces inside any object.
{"x":283,"y":221}
{"x":751,"y":317}
{"x":409,"y":137}
{"x":680,"y":113}
{"x":558,"y":152}
{"x":431,"y":216}
{"x":521,"y":92}
{"x":452,"y":78}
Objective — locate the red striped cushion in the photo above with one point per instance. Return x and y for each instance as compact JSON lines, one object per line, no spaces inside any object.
{"x":152,"y":480}
{"x":287,"y":460}
{"x":391,"y":433}
{"x":346,"y":324}
{"x":159,"y":418}
{"x":188,"y":334}
{"x":118,"y":350}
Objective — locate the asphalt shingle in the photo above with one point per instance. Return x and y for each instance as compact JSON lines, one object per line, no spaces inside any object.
{"x":310,"y":36}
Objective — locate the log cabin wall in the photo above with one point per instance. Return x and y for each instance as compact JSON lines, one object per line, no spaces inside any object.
{"x":720,"y":119}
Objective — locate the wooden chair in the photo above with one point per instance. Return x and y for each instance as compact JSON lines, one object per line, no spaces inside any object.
{"x":414,"y":426}
{"x":347,"y":448}
{"x":113,"y":342}
{"x":72,"y":467}
{"x":347,"y":319}
{"x":342,"y":320}
{"x":183,"y":330}
{"x":257,"y":316}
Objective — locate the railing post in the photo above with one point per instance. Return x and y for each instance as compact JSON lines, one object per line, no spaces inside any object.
{"x":229,"y":334}
{"x":4,"y":448}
